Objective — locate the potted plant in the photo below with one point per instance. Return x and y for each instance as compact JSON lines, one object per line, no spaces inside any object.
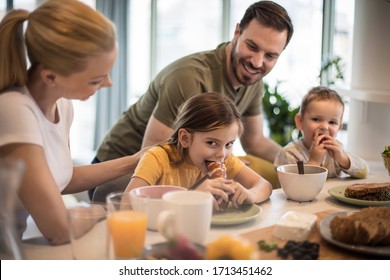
{"x":386,"y":158}
{"x":279,"y":114}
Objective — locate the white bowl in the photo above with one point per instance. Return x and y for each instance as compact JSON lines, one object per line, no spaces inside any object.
{"x":301,"y":187}
{"x":148,"y":199}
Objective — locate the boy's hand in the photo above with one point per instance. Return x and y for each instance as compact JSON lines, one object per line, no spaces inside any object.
{"x":336,"y":151}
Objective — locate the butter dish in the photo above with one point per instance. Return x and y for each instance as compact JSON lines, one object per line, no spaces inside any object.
{"x":294,"y":226}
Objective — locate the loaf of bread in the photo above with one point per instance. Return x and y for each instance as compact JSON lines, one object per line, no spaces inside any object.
{"x":369,"y":226}
{"x":369,"y":191}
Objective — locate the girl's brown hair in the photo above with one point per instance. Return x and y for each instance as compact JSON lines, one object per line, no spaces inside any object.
{"x":202,"y":113}
{"x":60,"y":34}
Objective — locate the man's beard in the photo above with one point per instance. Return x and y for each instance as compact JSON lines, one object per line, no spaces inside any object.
{"x":235,"y":62}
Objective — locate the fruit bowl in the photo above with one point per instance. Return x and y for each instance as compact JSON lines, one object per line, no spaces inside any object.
{"x":386,"y":158}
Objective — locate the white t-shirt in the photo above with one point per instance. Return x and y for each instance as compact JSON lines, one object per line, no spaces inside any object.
{"x":22,"y":121}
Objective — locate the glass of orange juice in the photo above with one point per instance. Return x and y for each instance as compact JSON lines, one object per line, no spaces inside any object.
{"x":126,"y":227}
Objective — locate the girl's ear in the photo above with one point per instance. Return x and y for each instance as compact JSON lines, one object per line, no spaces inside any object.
{"x":184,"y":137}
{"x":298,"y":121}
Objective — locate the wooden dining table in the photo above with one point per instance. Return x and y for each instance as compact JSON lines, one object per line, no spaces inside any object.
{"x":258,"y":228}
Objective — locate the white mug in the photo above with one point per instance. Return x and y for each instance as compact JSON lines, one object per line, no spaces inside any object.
{"x":186,"y":213}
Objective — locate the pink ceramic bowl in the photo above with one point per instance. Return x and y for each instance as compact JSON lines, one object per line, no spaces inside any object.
{"x":148,"y":199}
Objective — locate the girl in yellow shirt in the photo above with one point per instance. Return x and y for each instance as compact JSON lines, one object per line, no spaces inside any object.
{"x":205,"y":129}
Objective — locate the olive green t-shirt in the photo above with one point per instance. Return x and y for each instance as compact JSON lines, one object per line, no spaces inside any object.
{"x":197,"y":73}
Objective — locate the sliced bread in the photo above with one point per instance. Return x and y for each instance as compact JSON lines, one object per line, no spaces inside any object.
{"x":369,"y":191}
{"x":369,"y":226}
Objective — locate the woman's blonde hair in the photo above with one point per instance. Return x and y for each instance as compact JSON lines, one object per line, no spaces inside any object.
{"x":60,"y":34}
{"x":202,"y":113}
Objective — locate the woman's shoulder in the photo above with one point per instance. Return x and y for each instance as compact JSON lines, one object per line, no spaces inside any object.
{"x":14,"y":95}
{"x":13,"y":101}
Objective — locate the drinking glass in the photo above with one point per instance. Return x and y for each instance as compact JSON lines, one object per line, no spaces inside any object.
{"x":88,"y":231}
{"x":126,"y":227}
{"x":11,"y":171}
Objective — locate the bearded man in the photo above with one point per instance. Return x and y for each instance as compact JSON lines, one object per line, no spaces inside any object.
{"x":234,"y":69}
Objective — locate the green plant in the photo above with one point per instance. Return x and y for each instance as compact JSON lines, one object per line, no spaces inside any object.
{"x":386,"y":152}
{"x":328,"y":66}
{"x":279,"y":114}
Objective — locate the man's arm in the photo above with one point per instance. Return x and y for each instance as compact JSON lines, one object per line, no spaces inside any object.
{"x":254,"y":142}
{"x":156,"y":132}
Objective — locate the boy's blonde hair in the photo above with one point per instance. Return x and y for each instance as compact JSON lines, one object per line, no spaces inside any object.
{"x":320,"y":93}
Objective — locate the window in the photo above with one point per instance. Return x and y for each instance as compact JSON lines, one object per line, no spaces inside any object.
{"x":342,"y":47}
{"x":175,"y":34}
{"x":190,"y":30}
{"x":161,"y":31}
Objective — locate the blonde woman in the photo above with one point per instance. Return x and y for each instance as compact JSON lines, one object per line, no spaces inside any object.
{"x":70,"y":57}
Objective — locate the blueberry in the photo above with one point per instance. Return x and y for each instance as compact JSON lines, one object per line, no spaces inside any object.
{"x":283,"y":253}
{"x":297,"y":255}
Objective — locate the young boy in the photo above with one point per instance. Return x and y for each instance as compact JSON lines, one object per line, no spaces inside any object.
{"x":319,"y":119}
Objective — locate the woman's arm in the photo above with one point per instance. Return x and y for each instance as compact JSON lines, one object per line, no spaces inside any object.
{"x":39,"y":193}
{"x":89,"y":176}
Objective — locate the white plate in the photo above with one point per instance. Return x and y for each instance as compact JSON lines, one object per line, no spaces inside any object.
{"x":234,"y":216}
{"x":327,"y":235}
{"x":338,"y":193}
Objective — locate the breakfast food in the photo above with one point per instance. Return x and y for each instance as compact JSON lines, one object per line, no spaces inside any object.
{"x":369,"y":191}
{"x":177,"y":248}
{"x":369,"y":226}
{"x":217,"y":169}
{"x":294,"y":226}
{"x":304,"y":250}
{"x":386,"y":152}
{"x":231,"y":247}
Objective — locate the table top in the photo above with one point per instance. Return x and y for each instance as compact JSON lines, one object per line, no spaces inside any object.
{"x":272,"y":210}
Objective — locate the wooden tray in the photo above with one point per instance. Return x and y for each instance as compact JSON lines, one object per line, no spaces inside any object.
{"x":327,"y":251}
